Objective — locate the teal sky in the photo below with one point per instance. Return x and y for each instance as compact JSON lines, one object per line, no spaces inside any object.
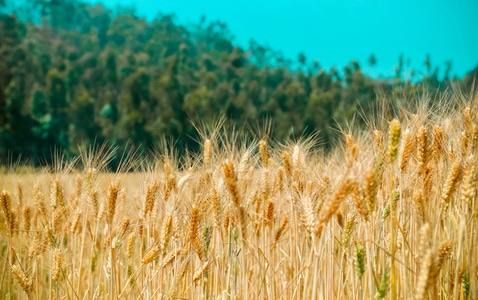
{"x":337,"y":31}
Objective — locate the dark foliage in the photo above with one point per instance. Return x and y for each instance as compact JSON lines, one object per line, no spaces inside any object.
{"x":72,"y":73}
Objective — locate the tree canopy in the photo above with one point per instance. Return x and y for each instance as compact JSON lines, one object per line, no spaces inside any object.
{"x":72,"y":73}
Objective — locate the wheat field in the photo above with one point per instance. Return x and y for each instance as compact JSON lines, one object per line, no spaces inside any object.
{"x":391,"y":213}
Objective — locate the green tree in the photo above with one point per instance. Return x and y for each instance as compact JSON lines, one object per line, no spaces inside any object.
{"x":86,"y":73}
{"x":57,"y":124}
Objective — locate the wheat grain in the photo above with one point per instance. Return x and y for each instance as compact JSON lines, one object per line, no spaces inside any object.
{"x":407,"y":149}
{"x":56,"y":194}
{"x":170,"y":257}
{"x":7,"y":210}
{"x":150,"y":197}
{"x":393,"y":139}
{"x":25,"y":282}
{"x":166,"y":231}
{"x":345,"y":189}
{"x":57,"y":264}
{"x":450,"y":183}
{"x":359,"y":201}
{"x":206,"y":266}
{"x":347,"y":231}
{"x":111,"y":202}
{"x":150,"y":255}
{"x":378,"y":139}
{"x":438,"y":141}
{"x":370,"y":190}
{"x":27,"y":217}
{"x":422,"y":148}
{"x":352,"y":149}
{"x":124,"y":227}
{"x":360,"y":260}
{"x":207,"y":153}
{"x":281,"y":230}
{"x":193,"y":234}
{"x":231,"y":181}
{"x":130,"y":245}
{"x":264,"y":153}
{"x":422,"y":284}
{"x":470,"y":178}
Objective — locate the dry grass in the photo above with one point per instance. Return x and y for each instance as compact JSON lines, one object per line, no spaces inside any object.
{"x":392,"y":214}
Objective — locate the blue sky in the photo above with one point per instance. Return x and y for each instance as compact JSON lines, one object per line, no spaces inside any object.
{"x":337,"y":31}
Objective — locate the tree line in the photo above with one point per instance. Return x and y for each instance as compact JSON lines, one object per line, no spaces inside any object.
{"x":76,"y":74}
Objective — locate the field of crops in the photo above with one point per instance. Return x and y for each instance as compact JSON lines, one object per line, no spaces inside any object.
{"x":391,"y":213}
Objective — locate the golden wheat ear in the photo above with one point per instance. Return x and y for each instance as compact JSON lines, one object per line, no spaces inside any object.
{"x":393,"y":139}
{"x":111,"y":201}
{"x":25,"y":282}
